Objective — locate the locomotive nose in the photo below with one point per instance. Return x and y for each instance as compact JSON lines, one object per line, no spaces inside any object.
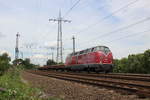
{"x":107,"y":58}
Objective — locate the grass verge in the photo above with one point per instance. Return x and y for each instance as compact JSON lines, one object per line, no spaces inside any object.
{"x":16,"y":89}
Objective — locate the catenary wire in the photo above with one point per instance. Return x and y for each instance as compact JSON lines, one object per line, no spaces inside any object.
{"x":128,"y":36}
{"x":88,"y":27}
{"x":108,"y":16}
{"x":122,"y":28}
{"x":71,"y":8}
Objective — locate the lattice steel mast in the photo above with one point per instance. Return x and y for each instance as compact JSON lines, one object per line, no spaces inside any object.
{"x":17,"y":46}
{"x":59,"y":57}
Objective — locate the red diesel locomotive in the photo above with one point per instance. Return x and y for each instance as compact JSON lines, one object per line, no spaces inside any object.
{"x":96,"y":59}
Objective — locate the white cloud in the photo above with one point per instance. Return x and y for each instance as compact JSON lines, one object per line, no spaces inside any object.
{"x":50,"y":44}
{"x":38,"y":56}
{"x":39,"y":59}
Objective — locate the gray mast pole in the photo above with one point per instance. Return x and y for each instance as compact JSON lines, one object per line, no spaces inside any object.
{"x":73,"y":38}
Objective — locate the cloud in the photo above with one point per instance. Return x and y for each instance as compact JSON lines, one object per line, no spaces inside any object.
{"x":39,"y":59}
{"x":38,"y":56}
{"x":50,"y":44}
{"x":1,"y":35}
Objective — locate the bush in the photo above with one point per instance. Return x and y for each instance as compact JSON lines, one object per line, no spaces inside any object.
{"x":4,"y":63}
{"x":147,"y":61}
{"x":24,"y":63}
{"x":50,"y":62}
{"x":139,"y":63}
{"x":16,"y":89}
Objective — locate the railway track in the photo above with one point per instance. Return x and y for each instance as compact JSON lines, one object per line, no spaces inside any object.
{"x":129,"y":74}
{"x":137,"y":86}
{"x":137,"y":77}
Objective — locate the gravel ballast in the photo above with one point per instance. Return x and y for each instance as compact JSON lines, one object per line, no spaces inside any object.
{"x":67,"y":90}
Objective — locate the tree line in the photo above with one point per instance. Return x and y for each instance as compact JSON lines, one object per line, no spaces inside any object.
{"x":5,"y":63}
{"x":135,"y":63}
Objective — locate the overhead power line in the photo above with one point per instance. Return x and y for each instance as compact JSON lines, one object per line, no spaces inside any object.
{"x":131,"y":35}
{"x":108,"y":16}
{"x":126,"y":27}
{"x":71,"y":8}
{"x":115,"y":31}
{"x":127,"y":36}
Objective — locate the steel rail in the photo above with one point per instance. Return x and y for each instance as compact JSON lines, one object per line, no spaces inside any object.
{"x":114,"y":76}
{"x":102,"y":80}
{"x":130,"y":74}
{"x":141,"y":90}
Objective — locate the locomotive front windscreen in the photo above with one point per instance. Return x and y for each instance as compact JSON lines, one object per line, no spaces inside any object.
{"x":106,"y":50}
{"x":103,"y":49}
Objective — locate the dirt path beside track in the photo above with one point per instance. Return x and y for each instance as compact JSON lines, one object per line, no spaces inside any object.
{"x":73,"y":91}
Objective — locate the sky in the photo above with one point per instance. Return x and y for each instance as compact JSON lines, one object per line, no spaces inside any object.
{"x":121,"y":25}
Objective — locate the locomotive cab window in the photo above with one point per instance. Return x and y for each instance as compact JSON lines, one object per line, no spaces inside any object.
{"x":106,"y":49}
{"x":88,"y":50}
{"x":101,"y":49}
{"x":71,"y":54}
{"x":76,"y":53}
{"x":92,"y":50}
{"x":95,"y":49}
{"x":98,"y":48}
{"x":81,"y":52}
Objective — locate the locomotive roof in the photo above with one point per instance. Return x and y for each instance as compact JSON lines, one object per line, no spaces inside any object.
{"x":93,"y":47}
{"x":88,"y":48}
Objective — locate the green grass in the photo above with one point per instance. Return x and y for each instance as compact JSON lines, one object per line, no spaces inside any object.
{"x":17,"y":89}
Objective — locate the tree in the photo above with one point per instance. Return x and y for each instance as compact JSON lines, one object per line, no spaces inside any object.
{"x":137,"y":63}
{"x":17,"y":61}
{"x":50,"y":62}
{"x":26,"y":63}
{"x":147,"y":60}
{"x":4,"y":63}
{"x":5,"y":57}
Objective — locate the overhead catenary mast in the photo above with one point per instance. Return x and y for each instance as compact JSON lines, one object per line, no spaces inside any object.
{"x":59,"y":57}
{"x":17,"y":46}
{"x":73,"y":38}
